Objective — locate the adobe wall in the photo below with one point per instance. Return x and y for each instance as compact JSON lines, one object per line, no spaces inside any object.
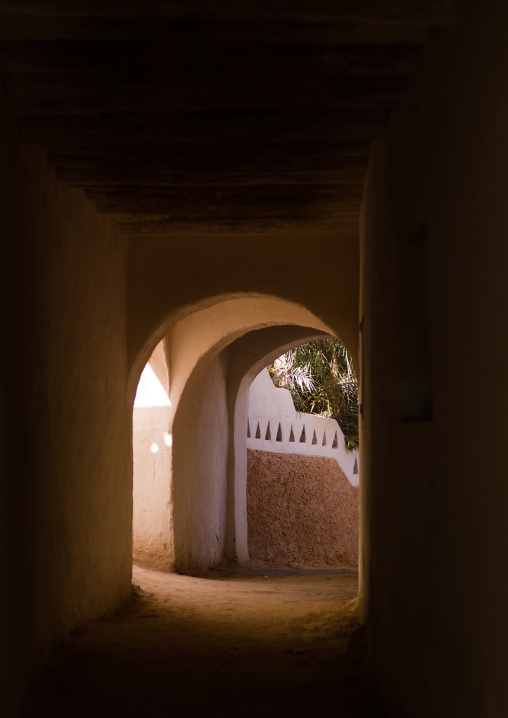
{"x":302,"y":494}
{"x":200,"y":459}
{"x":226,"y":265}
{"x":152,"y":515}
{"x":194,"y":337}
{"x":275,"y":425}
{"x":248,"y":355}
{"x":302,"y":512}
{"x":66,"y":506}
{"x":434,"y":520}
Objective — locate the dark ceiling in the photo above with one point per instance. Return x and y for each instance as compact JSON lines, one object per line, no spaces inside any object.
{"x":201,"y":116}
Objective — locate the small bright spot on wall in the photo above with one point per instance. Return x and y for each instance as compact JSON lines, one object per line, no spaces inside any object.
{"x":154,"y":448}
{"x":150,"y":391}
{"x":168,"y":438}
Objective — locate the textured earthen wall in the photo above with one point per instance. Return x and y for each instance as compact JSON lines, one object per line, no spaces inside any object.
{"x":81,"y":456}
{"x":302,"y":511}
{"x":66,"y":506}
{"x":199,"y":419}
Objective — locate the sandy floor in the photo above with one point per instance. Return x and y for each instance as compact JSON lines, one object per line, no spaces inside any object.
{"x":269,"y":644}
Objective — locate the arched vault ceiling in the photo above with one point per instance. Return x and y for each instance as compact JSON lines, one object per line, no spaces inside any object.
{"x":198,"y":116}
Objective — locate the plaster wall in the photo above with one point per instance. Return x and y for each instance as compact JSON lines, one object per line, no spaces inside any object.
{"x":266,"y":398}
{"x":200,"y":458}
{"x":194,"y":345}
{"x":66,"y":506}
{"x":226,"y":265}
{"x":274,"y":425}
{"x":435,"y":587}
{"x":191,"y":344}
{"x":204,"y":331}
{"x":195,"y":337}
{"x":152,"y":522}
{"x":248,"y":355}
{"x":302,"y":512}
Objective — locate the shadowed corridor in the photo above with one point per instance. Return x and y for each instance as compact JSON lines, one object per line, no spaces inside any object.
{"x":230,"y":178}
{"x":230,"y":644}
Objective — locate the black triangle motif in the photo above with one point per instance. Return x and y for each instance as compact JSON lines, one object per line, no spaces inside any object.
{"x":291,"y":435}
{"x":323,"y":443}
{"x":355,"y":467}
{"x":314,"y":438}
{"x":335,"y":444}
{"x":258,"y":432}
{"x":268,"y":435}
{"x":303,"y":438}
{"x":248,"y":429}
{"x":279,"y":433}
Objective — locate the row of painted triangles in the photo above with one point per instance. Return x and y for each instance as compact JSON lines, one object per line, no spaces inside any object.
{"x":303,"y":437}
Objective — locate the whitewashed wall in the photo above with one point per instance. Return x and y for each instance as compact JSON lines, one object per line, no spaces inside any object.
{"x":151,"y":521}
{"x":275,"y":425}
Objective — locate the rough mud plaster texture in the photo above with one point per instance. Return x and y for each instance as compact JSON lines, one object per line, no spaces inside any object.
{"x":436,"y":515}
{"x":200,"y":455}
{"x":194,"y":338}
{"x":247,"y":355}
{"x":302,"y":511}
{"x":68,"y":511}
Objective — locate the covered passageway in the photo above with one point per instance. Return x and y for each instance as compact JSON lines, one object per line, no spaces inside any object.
{"x":230,"y":179}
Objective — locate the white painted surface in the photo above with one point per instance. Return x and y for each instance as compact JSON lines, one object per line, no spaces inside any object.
{"x":265,"y":398}
{"x":247,"y":357}
{"x":199,"y":421}
{"x":152,"y":529}
{"x":200,"y":457}
{"x":275,"y":425}
{"x":198,"y":433}
{"x":212,"y":328}
{"x":150,"y":391}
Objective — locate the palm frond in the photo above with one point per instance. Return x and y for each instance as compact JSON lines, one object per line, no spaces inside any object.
{"x":320,"y":376}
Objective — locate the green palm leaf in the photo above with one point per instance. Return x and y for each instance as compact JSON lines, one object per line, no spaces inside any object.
{"x":321,"y":378}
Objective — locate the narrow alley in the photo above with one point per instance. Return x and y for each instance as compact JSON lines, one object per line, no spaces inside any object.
{"x":270,"y":643}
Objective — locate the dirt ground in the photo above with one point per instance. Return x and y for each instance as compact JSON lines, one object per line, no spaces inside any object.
{"x":267,"y":643}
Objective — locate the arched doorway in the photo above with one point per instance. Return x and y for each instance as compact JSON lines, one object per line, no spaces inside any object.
{"x":212,"y":355}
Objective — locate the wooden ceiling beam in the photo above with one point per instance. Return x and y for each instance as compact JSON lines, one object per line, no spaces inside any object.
{"x":415,"y":11}
{"x":113,"y":29}
{"x":191,"y":117}
{"x":248,"y":198}
{"x":190,"y":56}
{"x":160,"y":177}
{"x":198,"y":213}
{"x":36,"y":94}
{"x":231,"y":156}
{"x":256,"y":126}
{"x":142,"y":224}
